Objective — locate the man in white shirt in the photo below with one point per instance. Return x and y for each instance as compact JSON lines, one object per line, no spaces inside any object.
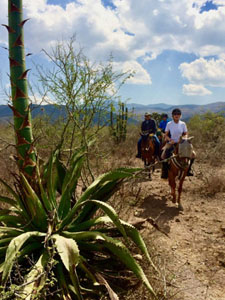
{"x":174,"y":130}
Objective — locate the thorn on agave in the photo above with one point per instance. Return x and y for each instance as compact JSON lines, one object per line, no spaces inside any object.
{"x":10,"y":29}
{"x":14,"y":8}
{"x":21,"y":140}
{"x":19,"y":93}
{"x":26,"y":123}
{"x":13,"y":62}
{"x":23,"y":22}
{"x":18,"y":41}
{"x":15,"y":112}
{"x":24,"y":75}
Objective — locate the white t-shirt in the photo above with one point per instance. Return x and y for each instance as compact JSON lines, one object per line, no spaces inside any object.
{"x":176,"y":130}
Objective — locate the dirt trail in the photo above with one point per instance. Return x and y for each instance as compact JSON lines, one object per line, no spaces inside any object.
{"x":194,"y":251}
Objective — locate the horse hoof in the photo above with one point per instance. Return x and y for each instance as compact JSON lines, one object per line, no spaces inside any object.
{"x":180,"y":207}
{"x":173,"y":200}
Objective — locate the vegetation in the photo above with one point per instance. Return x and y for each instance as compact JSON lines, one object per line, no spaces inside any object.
{"x":22,"y":121}
{"x":118,"y":126}
{"x":63,"y":244}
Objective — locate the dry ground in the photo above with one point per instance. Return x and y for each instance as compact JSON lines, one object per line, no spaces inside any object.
{"x":192,"y":256}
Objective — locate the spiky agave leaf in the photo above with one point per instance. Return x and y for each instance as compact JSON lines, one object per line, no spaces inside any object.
{"x":117,"y":248}
{"x":69,"y":253}
{"x":35,"y":279}
{"x":13,"y":251}
{"x":101,"y":189}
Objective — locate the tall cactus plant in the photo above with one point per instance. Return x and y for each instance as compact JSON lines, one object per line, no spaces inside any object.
{"x":19,"y":91}
{"x":119,"y":125}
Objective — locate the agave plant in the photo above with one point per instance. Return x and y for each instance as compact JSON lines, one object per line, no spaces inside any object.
{"x":45,"y":226}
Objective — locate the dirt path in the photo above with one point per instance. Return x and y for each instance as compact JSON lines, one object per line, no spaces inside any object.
{"x":194,"y":251}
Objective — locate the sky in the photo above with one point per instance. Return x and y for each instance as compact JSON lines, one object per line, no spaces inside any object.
{"x":176,"y":48}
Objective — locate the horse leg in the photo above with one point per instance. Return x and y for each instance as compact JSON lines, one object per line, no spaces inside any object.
{"x":179,"y":193}
{"x":172,"y":183}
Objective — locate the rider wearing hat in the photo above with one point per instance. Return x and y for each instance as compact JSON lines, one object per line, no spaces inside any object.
{"x":174,"y":130}
{"x":148,"y":126}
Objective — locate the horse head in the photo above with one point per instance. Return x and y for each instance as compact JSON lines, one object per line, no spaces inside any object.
{"x":147,"y":149}
{"x":185,"y":147}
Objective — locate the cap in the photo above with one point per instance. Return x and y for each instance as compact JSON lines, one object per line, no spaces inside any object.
{"x":147,"y":114}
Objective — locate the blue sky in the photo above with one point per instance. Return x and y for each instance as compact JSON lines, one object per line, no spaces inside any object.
{"x":176,"y":48}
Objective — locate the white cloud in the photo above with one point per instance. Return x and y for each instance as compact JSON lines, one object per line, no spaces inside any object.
{"x":195,"y":90}
{"x":205,"y":72}
{"x":156,"y":26}
{"x":141,"y":76}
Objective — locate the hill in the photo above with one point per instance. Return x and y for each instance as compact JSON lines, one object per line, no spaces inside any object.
{"x":188,"y":110}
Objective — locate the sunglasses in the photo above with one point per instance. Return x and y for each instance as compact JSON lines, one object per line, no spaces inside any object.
{"x":176,"y":114}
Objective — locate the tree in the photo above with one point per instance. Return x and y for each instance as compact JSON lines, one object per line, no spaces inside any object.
{"x":86,"y":89}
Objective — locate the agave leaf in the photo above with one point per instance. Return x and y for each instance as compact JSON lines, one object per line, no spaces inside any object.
{"x":36,"y":207}
{"x":35,"y":279}
{"x":102,"y":193}
{"x":88,"y":224}
{"x":67,"y":249}
{"x":120,"y":250}
{"x":117,"y":248}
{"x":69,"y":254}
{"x":62,"y":282}
{"x":11,"y":220}
{"x":112,"y":176}
{"x":51,"y":181}
{"x":8,"y":201}
{"x":75,"y":281}
{"x":11,"y":231}
{"x":46,"y":202}
{"x":111,"y":214}
{"x":70,"y":183}
{"x":13,"y":251}
{"x":18,"y":203}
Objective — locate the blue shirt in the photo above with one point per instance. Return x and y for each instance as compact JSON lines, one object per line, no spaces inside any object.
{"x":162,"y":125}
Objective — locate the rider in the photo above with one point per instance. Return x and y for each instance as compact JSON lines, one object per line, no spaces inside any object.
{"x":174,"y":130}
{"x":148,"y":126}
{"x":163,"y":122}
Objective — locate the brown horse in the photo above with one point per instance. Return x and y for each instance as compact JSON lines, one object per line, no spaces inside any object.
{"x":179,"y":166}
{"x":148,"y":151}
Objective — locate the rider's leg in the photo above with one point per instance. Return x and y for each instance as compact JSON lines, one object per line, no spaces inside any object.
{"x":157,"y":146}
{"x":139,"y":148}
{"x":165,"y":165}
{"x":190,"y":172}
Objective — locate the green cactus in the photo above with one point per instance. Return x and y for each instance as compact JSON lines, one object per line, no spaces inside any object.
{"x":119,"y":129}
{"x":19,"y":91}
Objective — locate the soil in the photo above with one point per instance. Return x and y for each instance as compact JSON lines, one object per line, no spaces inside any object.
{"x":191,"y":253}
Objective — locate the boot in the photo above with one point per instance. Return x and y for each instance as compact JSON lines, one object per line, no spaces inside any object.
{"x":165,"y":168}
{"x":190,"y":172}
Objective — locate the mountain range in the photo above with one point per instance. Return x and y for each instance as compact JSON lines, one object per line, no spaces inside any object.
{"x":188,"y":110}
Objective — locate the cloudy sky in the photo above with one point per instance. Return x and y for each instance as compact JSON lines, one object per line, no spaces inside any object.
{"x":176,"y":48}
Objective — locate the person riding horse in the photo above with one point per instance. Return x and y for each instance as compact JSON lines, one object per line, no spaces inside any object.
{"x":148,"y":126}
{"x":163,"y":122}
{"x":174,"y":130}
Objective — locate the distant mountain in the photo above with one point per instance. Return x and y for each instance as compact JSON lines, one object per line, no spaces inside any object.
{"x":188,"y":110}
